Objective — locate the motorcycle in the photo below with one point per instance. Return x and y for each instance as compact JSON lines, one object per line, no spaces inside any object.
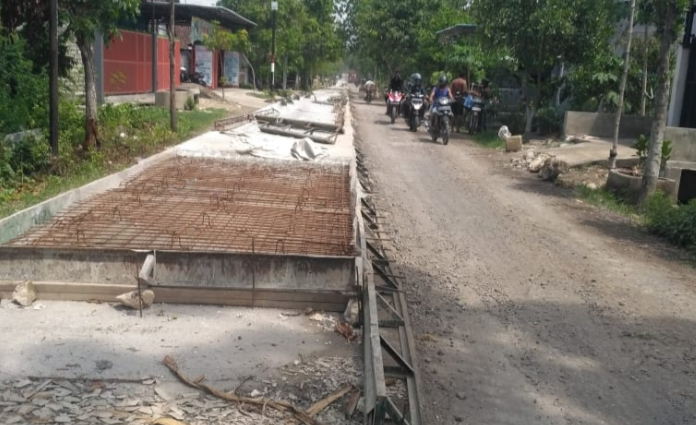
{"x":442,"y":119}
{"x":415,"y":109}
{"x":393,"y":102}
{"x":474,"y":119}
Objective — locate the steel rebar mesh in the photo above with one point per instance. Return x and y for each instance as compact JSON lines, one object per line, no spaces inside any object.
{"x":193,"y":204}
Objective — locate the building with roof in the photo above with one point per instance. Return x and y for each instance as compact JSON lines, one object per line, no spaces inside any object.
{"x":138,"y":60}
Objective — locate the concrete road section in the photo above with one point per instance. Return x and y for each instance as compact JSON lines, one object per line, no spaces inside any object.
{"x":530,"y":307}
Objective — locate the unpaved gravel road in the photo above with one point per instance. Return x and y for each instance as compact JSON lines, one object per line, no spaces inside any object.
{"x":529,"y":307}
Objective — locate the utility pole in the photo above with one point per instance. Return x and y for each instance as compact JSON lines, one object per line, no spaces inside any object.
{"x":154,"y":48}
{"x":172,"y":72}
{"x":53,"y":85}
{"x":274,"y":10}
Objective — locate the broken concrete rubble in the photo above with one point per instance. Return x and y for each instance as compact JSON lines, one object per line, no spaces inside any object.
{"x":130,"y":299}
{"x":24,"y":294}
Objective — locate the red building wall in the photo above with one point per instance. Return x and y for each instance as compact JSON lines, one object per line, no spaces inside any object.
{"x":128,"y":64}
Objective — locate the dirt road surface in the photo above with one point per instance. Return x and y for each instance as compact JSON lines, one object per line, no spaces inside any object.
{"x":529,"y":306}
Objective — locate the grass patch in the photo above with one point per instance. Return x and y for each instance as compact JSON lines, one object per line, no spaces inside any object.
{"x":605,"y":199}
{"x":488,"y":139}
{"x":126,"y":132}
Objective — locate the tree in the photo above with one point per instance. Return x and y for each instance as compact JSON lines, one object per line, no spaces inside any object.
{"x":540,"y":34}
{"x":220,"y":40}
{"x":84,"y":17}
{"x":307,"y":35}
{"x":622,"y":89}
{"x":667,"y":16}
{"x":30,"y":18}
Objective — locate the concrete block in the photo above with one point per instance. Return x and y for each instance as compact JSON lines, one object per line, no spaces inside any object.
{"x":513,"y":144}
{"x":162,"y":99}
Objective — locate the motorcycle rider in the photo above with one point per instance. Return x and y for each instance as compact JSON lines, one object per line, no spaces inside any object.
{"x":395,"y":84}
{"x":459,"y":85}
{"x":370,"y":87}
{"x":414,"y":87}
{"x":441,"y":90}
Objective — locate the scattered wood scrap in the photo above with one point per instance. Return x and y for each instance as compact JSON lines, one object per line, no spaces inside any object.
{"x":306,"y":417}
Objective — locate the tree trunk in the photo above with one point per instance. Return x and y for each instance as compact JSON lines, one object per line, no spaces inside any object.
{"x":91,"y":125}
{"x":285,"y":73}
{"x":530,"y":106}
{"x":622,"y":89}
{"x":657,"y":133}
{"x":560,"y":88}
{"x":173,"y":118}
{"x":644,"y":88}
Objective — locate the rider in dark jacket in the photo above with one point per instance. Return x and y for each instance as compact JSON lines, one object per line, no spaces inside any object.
{"x":395,"y":84}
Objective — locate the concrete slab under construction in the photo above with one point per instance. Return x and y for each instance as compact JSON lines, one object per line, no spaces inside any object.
{"x":197,"y":226}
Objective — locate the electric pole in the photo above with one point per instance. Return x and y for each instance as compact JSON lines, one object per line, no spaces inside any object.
{"x":274,"y":10}
{"x":53,"y":84}
{"x":172,"y":71}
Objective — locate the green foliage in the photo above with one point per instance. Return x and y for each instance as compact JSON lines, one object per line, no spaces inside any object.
{"x":23,"y":94}
{"x":306,"y":36}
{"x":676,"y":223}
{"x":605,"y":199}
{"x":550,"y":120}
{"x":221,"y":39}
{"x":642,"y":144}
{"x":489,"y":139}
{"x":190,"y":104}
{"x":84,"y":16}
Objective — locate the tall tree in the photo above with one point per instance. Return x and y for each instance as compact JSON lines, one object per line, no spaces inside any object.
{"x":84,"y":18}
{"x":668,"y":15}
{"x":622,"y":89}
{"x":539,"y":34}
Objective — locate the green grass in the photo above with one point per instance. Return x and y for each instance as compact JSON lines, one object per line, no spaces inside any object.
{"x":488,"y":139}
{"x":111,"y":158}
{"x":605,"y":199}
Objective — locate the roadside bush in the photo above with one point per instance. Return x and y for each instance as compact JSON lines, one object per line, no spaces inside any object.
{"x":23,"y":93}
{"x":675,"y":223}
{"x":550,"y":120}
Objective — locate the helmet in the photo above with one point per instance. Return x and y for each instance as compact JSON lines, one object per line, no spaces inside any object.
{"x":416,"y":79}
{"x":442,"y":81}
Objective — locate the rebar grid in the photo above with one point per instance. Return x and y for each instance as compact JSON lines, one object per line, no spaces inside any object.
{"x":193,"y":204}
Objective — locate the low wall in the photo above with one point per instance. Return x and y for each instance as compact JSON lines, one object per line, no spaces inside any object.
{"x":683,"y":143}
{"x":602,"y":125}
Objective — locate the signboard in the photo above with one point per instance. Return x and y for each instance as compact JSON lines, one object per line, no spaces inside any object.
{"x":204,"y":64}
{"x":232,"y":68}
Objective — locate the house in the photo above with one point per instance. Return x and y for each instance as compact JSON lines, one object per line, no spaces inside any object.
{"x":138,"y":60}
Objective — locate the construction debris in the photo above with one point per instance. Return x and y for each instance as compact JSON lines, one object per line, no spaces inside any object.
{"x":299,"y":414}
{"x":24,"y":294}
{"x":346,"y":330}
{"x":130,"y":299}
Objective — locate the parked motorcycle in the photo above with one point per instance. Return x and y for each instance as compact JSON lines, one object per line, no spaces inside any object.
{"x":415,"y":110}
{"x":394,"y":102}
{"x":441,"y":120}
{"x":474,"y":118}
